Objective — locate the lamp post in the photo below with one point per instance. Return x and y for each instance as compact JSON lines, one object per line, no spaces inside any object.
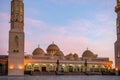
{"x":57,"y":68}
{"x":116,"y":71}
{"x":85,"y":65}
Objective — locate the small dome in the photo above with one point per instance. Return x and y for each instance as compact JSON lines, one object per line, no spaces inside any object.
{"x":59,"y":53}
{"x":88,"y":54}
{"x":76,"y":56}
{"x":70,"y":56}
{"x":38,"y":51}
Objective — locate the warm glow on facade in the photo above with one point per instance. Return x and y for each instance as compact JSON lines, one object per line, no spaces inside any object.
{"x":20,"y":67}
{"x":11,"y":67}
{"x":116,"y":69}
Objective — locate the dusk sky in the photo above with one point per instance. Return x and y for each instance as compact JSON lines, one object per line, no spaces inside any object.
{"x":74,"y":25}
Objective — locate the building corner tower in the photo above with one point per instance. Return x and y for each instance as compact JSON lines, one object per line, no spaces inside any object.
{"x":16,"y":39}
{"x":117,"y":43}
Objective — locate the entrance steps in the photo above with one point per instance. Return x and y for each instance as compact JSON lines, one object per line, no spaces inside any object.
{"x":43,"y":73}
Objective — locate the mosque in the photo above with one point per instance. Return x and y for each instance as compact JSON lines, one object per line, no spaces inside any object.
{"x":41,"y":61}
{"x":17,"y":63}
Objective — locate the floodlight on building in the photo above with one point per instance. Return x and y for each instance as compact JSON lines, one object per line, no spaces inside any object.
{"x":20,"y":67}
{"x":11,"y":67}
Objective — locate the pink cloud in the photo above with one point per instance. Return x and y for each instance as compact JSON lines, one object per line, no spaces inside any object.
{"x":35,"y":23}
{"x":3,"y":51}
{"x":67,"y":43}
{"x":4,"y":16}
{"x":73,"y":43}
{"x":29,"y":47}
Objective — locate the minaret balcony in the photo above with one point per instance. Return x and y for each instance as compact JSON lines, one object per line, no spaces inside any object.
{"x":117,"y":8}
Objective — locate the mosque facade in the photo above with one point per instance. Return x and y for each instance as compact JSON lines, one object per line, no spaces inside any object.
{"x":17,"y":63}
{"x":47,"y":62}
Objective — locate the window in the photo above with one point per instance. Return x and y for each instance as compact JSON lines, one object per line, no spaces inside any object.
{"x":118,"y":55}
{"x":29,"y":66}
{"x":16,"y":44}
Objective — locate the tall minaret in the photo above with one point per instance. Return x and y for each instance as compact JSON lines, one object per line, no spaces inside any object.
{"x":117,"y":43}
{"x":16,"y":39}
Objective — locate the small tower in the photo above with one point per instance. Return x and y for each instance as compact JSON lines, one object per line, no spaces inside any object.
{"x":16,"y":39}
{"x":117,"y":43}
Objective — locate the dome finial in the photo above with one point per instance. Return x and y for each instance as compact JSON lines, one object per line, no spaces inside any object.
{"x":87,"y":48}
{"x":52,"y":42}
{"x":38,"y":46}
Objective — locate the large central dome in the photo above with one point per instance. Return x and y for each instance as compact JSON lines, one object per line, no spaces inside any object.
{"x":88,"y":54}
{"x":38,"y":51}
{"x":52,"y":49}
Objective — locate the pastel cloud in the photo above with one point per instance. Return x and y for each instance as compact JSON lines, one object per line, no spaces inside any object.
{"x":72,"y":42}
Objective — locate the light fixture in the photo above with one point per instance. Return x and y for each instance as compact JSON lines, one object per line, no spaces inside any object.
{"x":11,"y":67}
{"x":20,"y":67}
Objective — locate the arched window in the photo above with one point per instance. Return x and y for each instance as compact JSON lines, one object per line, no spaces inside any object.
{"x":118,"y":52}
{"x":36,"y":67}
{"x":79,"y":68}
{"x":51,"y":67}
{"x":16,"y":44}
{"x":91,"y":67}
{"x":63,"y":67}
{"x":1,"y":68}
{"x":29,"y":66}
{"x":102,"y":67}
{"x":96,"y":68}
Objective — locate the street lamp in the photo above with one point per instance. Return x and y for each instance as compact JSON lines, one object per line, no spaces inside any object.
{"x":57,"y":68}
{"x":85,"y":65}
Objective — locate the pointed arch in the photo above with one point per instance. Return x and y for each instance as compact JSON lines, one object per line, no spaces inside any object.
{"x":118,"y":52}
{"x":16,"y":44}
{"x":1,"y":66}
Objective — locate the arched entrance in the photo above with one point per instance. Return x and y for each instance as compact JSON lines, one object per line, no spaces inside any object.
{"x":71,"y":68}
{"x":44,"y":68}
{"x":79,"y":68}
{"x":96,"y":68}
{"x":102,"y":67}
{"x":51,"y":67}
{"x":1,"y":68}
{"x":91,"y":68}
{"x":36,"y":67}
{"x":63,"y":68}
{"x":29,"y":66}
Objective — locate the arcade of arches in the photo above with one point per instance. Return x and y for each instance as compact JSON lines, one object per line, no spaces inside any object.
{"x":3,"y":64}
{"x":41,"y":61}
{"x":67,"y":67}
{"x":47,"y":61}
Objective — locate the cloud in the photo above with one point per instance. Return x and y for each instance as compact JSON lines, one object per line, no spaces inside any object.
{"x":70,"y":37}
{"x":35,"y":23}
{"x":29,"y":47}
{"x":76,"y":35}
{"x":3,"y":51}
{"x":4,"y":16}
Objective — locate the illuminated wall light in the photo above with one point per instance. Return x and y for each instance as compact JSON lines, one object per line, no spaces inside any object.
{"x":116,"y":69}
{"x":11,"y":67}
{"x":20,"y":67}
